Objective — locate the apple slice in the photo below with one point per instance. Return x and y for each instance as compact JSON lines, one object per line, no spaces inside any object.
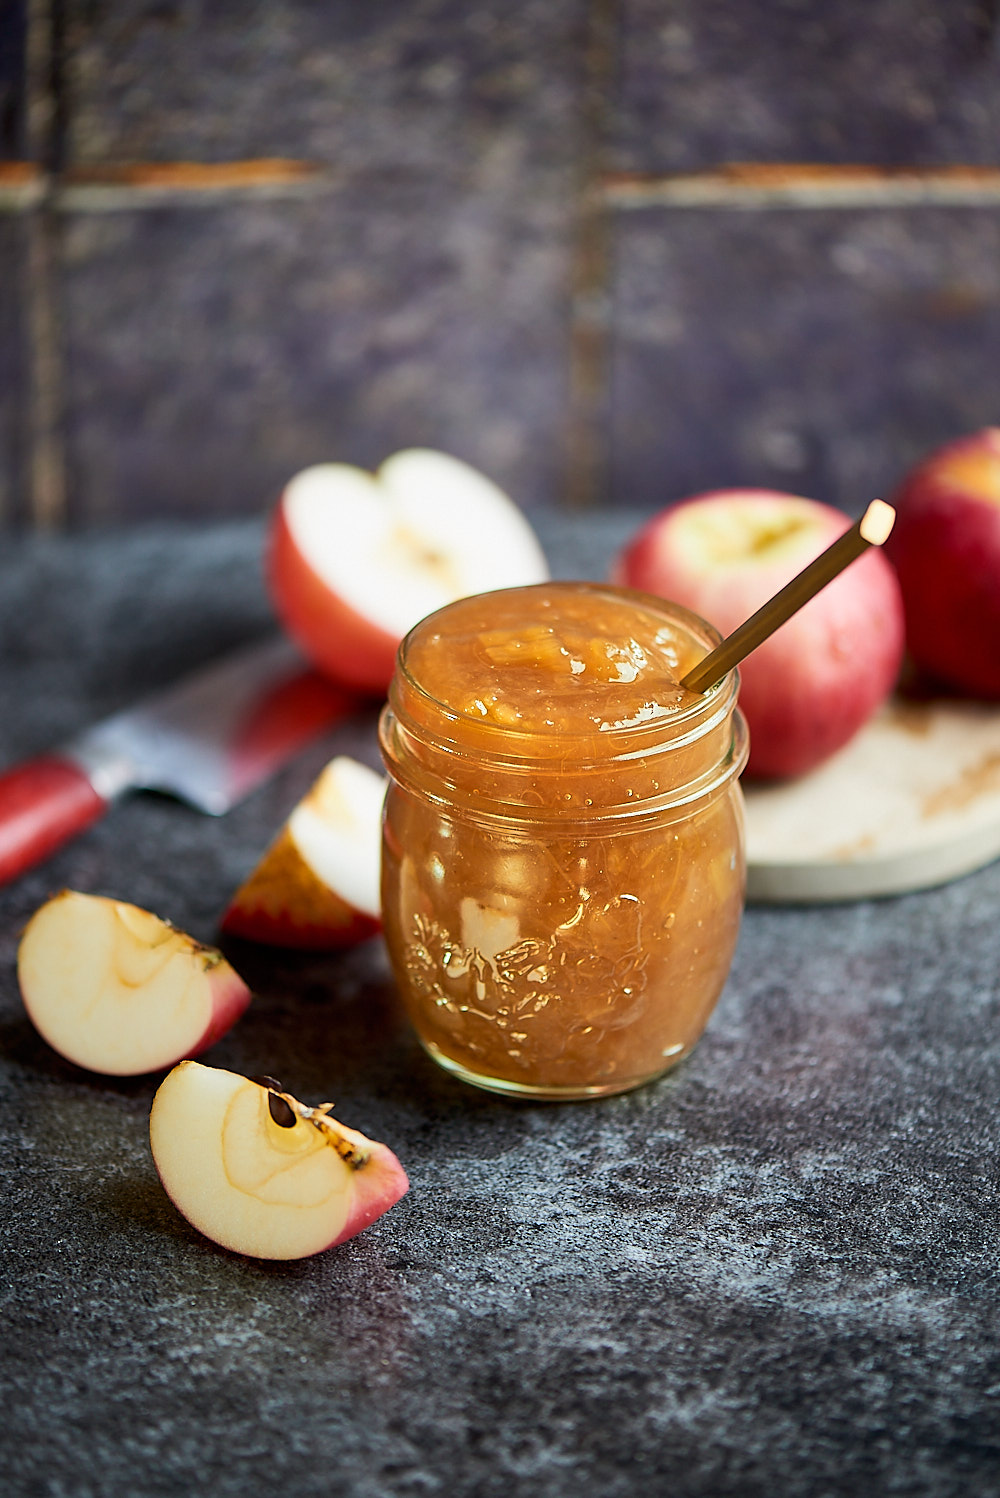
{"x":357,"y":559}
{"x":260,"y":1173}
{"x":118,"y":990}
{"x":808,"y":689}
{"x":317,"y":885}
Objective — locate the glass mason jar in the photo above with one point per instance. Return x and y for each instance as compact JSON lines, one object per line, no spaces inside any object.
{"x":561,"y":891}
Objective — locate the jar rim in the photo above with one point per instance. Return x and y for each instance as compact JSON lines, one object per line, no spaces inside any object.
{"x":501,"y":811}
{"x":643,"y":735}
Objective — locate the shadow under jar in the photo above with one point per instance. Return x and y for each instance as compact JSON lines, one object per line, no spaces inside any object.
{"x":563,"y":866}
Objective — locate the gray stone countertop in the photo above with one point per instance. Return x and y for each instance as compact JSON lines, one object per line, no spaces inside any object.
{"x":774,"y":1272}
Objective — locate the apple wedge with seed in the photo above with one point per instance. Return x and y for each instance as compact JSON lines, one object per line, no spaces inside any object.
{"x":259,"y":1172}
{"x":117,"y":990}
{"x":317,"y":885}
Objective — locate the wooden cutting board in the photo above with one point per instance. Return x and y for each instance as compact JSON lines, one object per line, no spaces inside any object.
{"x":912,"y":801}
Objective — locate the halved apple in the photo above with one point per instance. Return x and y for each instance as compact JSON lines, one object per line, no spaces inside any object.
{"x":356,"y":559}
{"x":120,"y":991}
{"x":259,"y":1172}
{"x":317,"y":885}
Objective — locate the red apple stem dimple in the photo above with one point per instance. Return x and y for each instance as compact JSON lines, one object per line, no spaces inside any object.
{"x":871,"y":530}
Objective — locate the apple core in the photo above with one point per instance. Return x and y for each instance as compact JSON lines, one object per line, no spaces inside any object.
{"x":563,"y":867}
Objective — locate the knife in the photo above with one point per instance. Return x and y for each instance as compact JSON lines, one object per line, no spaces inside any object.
{"x":208,"y":739}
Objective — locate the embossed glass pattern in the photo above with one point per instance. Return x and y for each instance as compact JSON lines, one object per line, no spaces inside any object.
{"x":561,"y":891}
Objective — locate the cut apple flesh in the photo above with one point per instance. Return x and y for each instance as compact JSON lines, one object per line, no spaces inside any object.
{"x":337,"y":830}
{"x":398,"y":545}
{"x":755,"y":528}
{"x":275,"y":1190}
{"x":317,"y":885}
{"x":117,"y":990}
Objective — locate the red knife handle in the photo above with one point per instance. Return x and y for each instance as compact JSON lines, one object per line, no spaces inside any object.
{"x":43,"y":803}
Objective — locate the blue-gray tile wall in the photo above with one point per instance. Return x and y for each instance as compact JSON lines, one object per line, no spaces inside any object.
{"x":815,"y":351}
{"x":885,"y":82}
{"x":422,"y":297}
{"x":212,"y":352}
{"x":432,"y":86}
{"x":442,"y":280}
{"x":812,"y":350}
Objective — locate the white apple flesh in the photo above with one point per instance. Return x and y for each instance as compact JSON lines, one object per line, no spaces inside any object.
{"x":119,"y":991}
{"x":808,"y":689}
{"x":260,"y":1173}
{"x":356,"y":559}
{"x":317,"y":885}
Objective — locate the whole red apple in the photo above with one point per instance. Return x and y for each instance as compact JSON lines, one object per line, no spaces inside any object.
{"x":946,"y":551}
{"x":808,"y":689}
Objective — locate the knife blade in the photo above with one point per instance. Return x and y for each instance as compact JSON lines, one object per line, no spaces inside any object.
{"x":208,"y":739}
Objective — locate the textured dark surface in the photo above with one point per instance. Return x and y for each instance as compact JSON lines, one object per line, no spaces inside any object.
{"x":898,"y":82}
{"x":214,"y":352}
{"x":821,"y":352}
{"x":773,"y":1273}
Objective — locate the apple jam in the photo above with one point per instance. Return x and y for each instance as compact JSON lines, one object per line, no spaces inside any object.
{"x":563,"y":866}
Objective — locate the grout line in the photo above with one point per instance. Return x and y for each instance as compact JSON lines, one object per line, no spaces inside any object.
{"x":47,"y":466}
{"x":110,"y":188}
{"x":23,"y":186}
{"x":804,"y":185}
{"x":587,"y":459}
{"x":101,"y":189}
{"x":40,"y":96}
{"x":104,"y":188}
{"x":47,"y":479}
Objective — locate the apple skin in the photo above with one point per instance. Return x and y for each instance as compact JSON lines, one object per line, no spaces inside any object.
{"x":344,"y":645}
{"x":284,"y":904}
{"x":316,"y":886}
{"x":945,"y":547}
{"x":118,"y":991}
{"x":808,"y":689}
{"x":231,"y":998}
{"x":379,"y":1185}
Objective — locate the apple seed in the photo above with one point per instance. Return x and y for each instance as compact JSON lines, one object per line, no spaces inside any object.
{"x":282,"y":1113}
